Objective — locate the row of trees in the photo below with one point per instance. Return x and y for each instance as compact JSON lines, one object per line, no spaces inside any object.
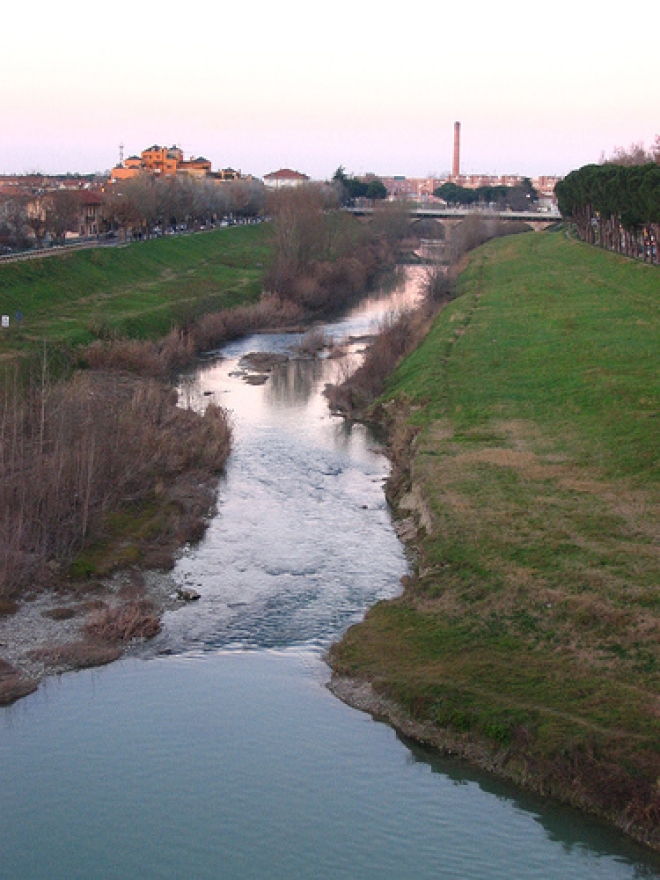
{"x":146,"y":204}
{"x":138,"y":207}
{"x":615,"y":206}
{"x":517,"y":198}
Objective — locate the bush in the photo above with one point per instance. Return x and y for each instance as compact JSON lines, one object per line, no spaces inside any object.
{"x":75,"y":451}
{"x":134,"y":619}
{"x":396,"y":336}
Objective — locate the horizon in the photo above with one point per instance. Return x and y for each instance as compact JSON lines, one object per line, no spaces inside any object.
{"x":364,"y":89}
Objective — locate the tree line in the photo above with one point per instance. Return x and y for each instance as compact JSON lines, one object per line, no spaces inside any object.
{"x":136,"y":208}
{"x":146,"y":205}
{"x":615,"y":207}
{"x":517,"y":198}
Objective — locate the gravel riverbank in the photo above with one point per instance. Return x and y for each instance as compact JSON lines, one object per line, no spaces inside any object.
{"x":55,"y":632}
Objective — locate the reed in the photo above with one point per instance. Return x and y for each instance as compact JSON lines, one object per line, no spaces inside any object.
{"x":73,"y":452}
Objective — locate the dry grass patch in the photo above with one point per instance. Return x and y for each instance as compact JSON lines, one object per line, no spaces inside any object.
{"x":7,"y":607}
{"x":134,"y":619}
{"x":61,"y":613}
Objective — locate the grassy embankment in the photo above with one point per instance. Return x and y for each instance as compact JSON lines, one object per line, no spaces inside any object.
{"x":529,"y":637}
{"x":138,"y":291}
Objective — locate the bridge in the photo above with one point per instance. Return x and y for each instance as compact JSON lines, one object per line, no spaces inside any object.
{"x":436,"y":212}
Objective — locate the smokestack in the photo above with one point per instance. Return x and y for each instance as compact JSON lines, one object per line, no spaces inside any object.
{"x":456,"y":166}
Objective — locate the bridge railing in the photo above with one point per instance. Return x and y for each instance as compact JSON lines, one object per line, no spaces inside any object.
{"x":437,"y":211}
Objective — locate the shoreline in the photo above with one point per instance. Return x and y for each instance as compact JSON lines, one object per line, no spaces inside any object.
{"x":361,"y":695}
{"x":414,"y":661}
{"x":47,"y":633}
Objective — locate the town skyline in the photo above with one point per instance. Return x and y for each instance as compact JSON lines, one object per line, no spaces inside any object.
{"x":372,"y":91}
{"x":411,"y":169}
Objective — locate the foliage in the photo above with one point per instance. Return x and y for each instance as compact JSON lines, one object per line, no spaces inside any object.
{"x":351,"y":188}
{"x":396,"y":336}
{"x":376,"y":190}
{"x":635,"y":154}
{"x":391,"y":220}
{"x":62,"y":213}
{"x":14,"y":226}
{"x":517,"y":198}
{"x":147,"y":205}
{"x":74,"y":451}
{"x":615,"y":206}
{"x":322,"y":257}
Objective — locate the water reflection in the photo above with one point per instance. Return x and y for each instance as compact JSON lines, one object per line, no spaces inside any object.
{"x":562,"y":825}
{"x":293,"y":384}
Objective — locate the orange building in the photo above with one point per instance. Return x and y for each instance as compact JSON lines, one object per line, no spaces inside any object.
{"x":194,"y":167}
{"x":162,"y":160}
{"x":130,"y":168}
{"x":167,"y":162}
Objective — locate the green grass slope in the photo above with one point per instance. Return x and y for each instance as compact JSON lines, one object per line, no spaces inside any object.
{"x":533,"y":627}
{"x":140,"y":290}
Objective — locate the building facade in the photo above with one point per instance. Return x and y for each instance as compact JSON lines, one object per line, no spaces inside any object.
{"x":285,"y":177}
{"x":164,"y":162}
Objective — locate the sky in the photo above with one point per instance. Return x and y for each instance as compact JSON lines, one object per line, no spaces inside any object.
{"x":539,"y":88}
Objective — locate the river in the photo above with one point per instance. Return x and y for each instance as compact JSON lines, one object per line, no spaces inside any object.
{"x":216,"y":751}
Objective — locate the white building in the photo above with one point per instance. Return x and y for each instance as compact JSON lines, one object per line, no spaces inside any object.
{"x":284,"y":177}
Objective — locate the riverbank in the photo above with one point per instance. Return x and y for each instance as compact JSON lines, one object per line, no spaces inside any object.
{"x":99,"y":485}
{"x":525,"y":432}
{"x":104,"y":477}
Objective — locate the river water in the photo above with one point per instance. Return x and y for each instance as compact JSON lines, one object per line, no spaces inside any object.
{"x":217,"y":751}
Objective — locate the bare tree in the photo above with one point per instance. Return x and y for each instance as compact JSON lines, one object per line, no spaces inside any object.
{"x":131,"y":206}
{"x":299,"y":231}
{"x":635,"y":154}
{"x":391,"y":219}
{"x":655,"y":149}
{"x":119,"y":210}
{"x":14,"y":221}
{"x":62,"y":213}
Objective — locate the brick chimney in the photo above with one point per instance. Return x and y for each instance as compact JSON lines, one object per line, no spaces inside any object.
{"x":456,"y":166}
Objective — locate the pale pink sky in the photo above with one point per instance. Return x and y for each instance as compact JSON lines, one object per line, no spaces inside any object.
{"x":538,"y":88}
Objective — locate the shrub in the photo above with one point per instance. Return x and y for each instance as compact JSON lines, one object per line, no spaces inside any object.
{"x":133,"y":619}
{"x":75,"y":451}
